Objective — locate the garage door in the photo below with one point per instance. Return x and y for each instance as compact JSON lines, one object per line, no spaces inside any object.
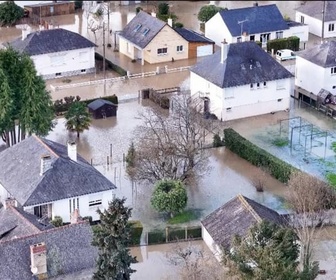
{"x":204,"y":50}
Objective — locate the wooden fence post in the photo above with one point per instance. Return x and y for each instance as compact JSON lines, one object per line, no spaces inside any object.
{"x":167,"y":233}
{"x":186,"y":232}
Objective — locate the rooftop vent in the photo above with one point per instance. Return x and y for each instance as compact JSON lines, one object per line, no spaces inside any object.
{"x":258,"y":64}
{"x":38,"y":257}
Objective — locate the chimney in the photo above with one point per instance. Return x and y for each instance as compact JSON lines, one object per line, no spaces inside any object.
{"x":46,"y":164}
{"x":75,"y":217}
{"x":25,"y":32}
{"x":170,"y":22}
{"x":224,"y":51}
{"x":244,"y":37}
{"x":38,"y":258}
{"x":10,"y":202}
{"x":153,"y":14}
{"x":72,"y":150}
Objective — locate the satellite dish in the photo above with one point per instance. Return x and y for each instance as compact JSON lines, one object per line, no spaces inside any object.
{"x":34,"y":270}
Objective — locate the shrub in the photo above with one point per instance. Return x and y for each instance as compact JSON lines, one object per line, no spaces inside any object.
{"x":175,"y":234}
{"x":57,"y":221}
{"x":178,"y":25}
{"x":292,"y":43}
{"x":183,"y":217}
{"x":88,"y":218}
{"x":136,"y":232}
{"x":157,"y":236}
{"x":163,"y":8}
{"x":257,"y":156}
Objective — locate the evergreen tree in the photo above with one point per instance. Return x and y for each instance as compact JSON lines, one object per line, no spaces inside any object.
{"x":10,"y":13}
{"x":77,"y":118}
{"x":112,"y":237}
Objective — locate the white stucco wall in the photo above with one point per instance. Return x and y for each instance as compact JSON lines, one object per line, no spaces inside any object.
{"x":62,"y":208}
{"x":301,"y":31}
{"x":214,"y":248}
{"x":244,"y":101}
{"x":308,"y":75}
{"x":124,"y":49}
{"x":62,"y":62}
{"x":216,"y":30}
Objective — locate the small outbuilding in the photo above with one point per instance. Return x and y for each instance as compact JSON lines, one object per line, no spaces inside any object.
{"x":101,"y":109}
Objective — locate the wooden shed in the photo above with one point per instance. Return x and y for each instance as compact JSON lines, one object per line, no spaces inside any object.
{"x":101,"y":109}
{"x":50,"y":9}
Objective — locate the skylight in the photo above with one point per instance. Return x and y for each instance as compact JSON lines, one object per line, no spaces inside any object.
{"x":137,"y":27}
{"x":145,"y":31}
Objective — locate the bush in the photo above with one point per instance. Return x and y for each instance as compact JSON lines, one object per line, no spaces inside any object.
{"x":156,"y":237}
{"x":259,"y":157}
{"x":178,"y":25}
{"x":292,"y":43}
{"x":163,"y":8}
{"x":136,"y":232}
{"x":195,"y":232}
{"x":175,"y":234}
{"x":183,"y":217}
{"x":57,"y":221}
{"x":88,"y":218}
{"x":10,"y":13}
{"x":217,"y":141}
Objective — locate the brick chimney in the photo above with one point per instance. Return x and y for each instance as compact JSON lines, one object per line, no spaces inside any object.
{"x":10,"y":202}
{"x":75,"y":217}
{"x":46,"y":164}
{"x":38,"y":258}
{"x":224,"y":51}
{"x":72,"y":150}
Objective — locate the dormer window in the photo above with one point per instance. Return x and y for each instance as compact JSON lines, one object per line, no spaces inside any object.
{"x":258,"y":85}
{"x":145,"y":32}
{"x":137,"y":27}
{"x":333,"y":70}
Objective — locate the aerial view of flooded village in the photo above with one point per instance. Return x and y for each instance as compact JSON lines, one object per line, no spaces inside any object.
{"x":167,"y":140}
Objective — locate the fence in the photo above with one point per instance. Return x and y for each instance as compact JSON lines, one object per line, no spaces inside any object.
{"x":169,"y":235}
{"x":122,"y":78}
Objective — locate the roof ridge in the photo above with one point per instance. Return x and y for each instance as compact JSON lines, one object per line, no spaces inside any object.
{"x":23,"y":218}
{"x":46,"y":146}
{"x":248,"y":207}
{"x":45,"y":231}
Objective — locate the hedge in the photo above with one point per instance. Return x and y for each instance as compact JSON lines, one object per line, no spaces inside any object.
{"x":292,"y":43}
{"x":175,"y":234}
{"x":121,"y":71}
{"x":157,"y":237}
{"x":278,"y":168}
{"x":136,"y":232}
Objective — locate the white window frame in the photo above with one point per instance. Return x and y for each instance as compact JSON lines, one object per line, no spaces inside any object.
{"x":302,"y":19}
{"x":179,"y":48}
{"x":95,"y":203}
{"x":333,"y":70}
{"x":331,"y":27}
{"x":162,"y":51}
{"x":279,"y":34}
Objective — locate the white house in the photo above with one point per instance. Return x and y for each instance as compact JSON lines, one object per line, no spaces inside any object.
{"x":257,"y":23}
{"x":57,"y":52}
{"x":241,"y":80}
{"x":310,"y":13}
{"x":48,"y":179}
{"x":234,"y":218}
{"x":315,"y":69}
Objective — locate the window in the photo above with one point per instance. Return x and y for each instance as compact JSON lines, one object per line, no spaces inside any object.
{"x":52,"y":9}
{"x":239,"y":39}
{"x":228,"y":109}
{"x":145,"y":32}
{"x":137,"y":27}
{"x":265,"y":84}
{"x":251,"y":86}
{"x":83,"y":71}
{"x":95,"y":203}
{"x":331,"y":27}
{"x":179,"y":48}
{"x":252,"y":37}
{"x":258,"y":85}
{"x":333,"y":70}
{"x":280,"y":99}
{"x":162,"y":51}
{"x":73,"y":204}
{"x":279,"y":34}
{"x":302,"y":19}
{"x":58,"y":74}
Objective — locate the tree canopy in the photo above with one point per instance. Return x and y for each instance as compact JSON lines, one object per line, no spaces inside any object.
{"x":269,"y":251}
{"x":10,"y":13}
{"x":112,"y":237}
{"x":26,"y":105}
{"x":169,"y":196}
{"x":77,"y":118}
{"x":207,"y":12}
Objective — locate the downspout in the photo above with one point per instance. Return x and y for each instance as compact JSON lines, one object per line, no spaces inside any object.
{"x":323,"y":19}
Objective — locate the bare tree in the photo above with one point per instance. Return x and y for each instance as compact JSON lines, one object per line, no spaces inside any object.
{"x":194,"y":263}
{"x":172,"y":147}
{"x":311,"y":199}
{"x":259,"y":180}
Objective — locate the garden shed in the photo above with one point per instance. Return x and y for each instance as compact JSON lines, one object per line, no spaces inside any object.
{"x":101,"y":109}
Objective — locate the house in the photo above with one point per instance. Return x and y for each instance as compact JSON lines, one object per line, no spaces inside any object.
{"x":241,"y":80}
{"x":57,"y":52}
{"x":234,"y":218}
{"x":101,"y":109}
{"x":310,"y":13}
{"x":151,"y":40}
{"x":315,"y":69}
{"x":257,"y":23}
{"x":50,"y":9}
{"x":16,"y":223}
{"x":62,"y":250}
{"x":48,"y":179}
{"x":198,"y":45}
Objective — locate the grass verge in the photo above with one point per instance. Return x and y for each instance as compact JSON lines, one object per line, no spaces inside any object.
{"x":183,"y":217}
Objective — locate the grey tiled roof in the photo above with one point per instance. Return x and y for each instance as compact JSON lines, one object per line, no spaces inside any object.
{"x":235,"y":218}
{"x":260,"y":19}
{"x":193,"y":36}
{"x":314,"y":9}
{"x":323,"y":54}
{"x":146,"y":21}
{"x":94,"y":105}
{"x":71,"y":244}
{"x":235,"y":71}
{"x":65,"y":179}
{"x":51,"y":41}
{"x":15,"y":223}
